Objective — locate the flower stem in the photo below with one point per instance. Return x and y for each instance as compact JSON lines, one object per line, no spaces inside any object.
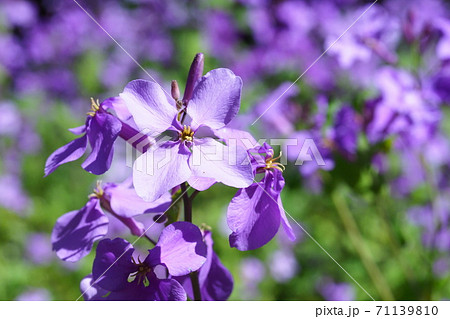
{"x":187,"y":203}
{"x":362,"y":250}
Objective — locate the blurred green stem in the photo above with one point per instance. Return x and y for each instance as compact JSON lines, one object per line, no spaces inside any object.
{"x":395,"y":246}
{"x":355,"y":236}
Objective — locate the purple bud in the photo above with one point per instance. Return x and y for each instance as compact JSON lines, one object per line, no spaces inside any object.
{"x":195,"y":72}
{"x":175,"y":90}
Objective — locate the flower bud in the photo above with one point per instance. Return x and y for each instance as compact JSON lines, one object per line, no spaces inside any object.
{"x":175,"y":90}
{"x":195,"y":72}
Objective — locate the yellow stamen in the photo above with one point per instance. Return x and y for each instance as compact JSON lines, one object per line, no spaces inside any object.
{"x":271,"y":163}
{"x":98,"y":191}
{"x":95,"y":106}
{"x":187,"y":134}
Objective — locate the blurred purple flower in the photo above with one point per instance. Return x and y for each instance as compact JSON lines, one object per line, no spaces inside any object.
{"x":39,"y":248}
{"x":252,"y":273}
{"x":34,"y":294}
{"x":12,"y":195}
{"x":332,"y":291}
{"x":283,"y":265}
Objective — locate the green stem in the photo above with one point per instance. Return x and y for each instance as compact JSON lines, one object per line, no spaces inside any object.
{"x":395,"y":246}
{"x":355,"y":236}
{"x":187,"y":203}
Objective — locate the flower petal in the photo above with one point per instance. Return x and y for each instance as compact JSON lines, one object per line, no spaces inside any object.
{"x":167,"y":290}
{"x":102,"y":132}
{"x":180,"y":248}
{"x":201,"y":183}
{"x":67,"y":153}
{"x":216,"y":282}
{"x":157,"y":290}
{"x":125,"y":202}
{"x":112,"y":264}
{"x":216,"y":99}
{"x":149,"y":106}
{"x":253,"y":216}
{"x":75,"y":232}
{"x":227,"y":165}
{"x":285,"y":222}
{"x":159,"y":170}
{"x":91,"y":291}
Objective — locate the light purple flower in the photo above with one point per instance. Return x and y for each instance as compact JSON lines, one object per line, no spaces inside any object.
{"x":39,"y":248}
{"x":283,"y":265}
{"x":35,"y":294}
{"x":12,"y":195}
{"x":256,"y":212}
{"x":180,"y":250}
{"x":188,"y":151}
{"x":252,"y":273}
{"x":333,"y":291}
{"x":75,"y":232}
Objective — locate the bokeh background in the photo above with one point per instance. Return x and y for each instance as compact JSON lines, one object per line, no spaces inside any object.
{"x":376,"y":104}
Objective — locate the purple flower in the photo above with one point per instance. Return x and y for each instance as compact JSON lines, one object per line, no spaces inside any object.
{"x":256,"y":212}
{"x":39,"y":248}
{"x":12,"y":195}
{"x":252,"y":273}
{"x":188,"y":150}
{"x":345,"y":131}
{"x":101,"y":129}
{"x":441,"y":267}
{"x":75,"y":232}
{"x":216,"y":282}
{"x":19,"y":13}
{"x":283,"y":265}
{"x":179,"y":251}
{"x":303,"y":153}
{"x":332,"y":291}
{"x":10,"y":121}
{"x":37,"y":294}
{"x":401,"y":109}
{"x":278,"y":114}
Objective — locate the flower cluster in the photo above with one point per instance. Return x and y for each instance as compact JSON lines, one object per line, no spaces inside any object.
{"x":187,"y":145}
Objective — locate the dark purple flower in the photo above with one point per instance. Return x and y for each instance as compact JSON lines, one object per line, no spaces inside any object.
{"x":179,"y":251}
{"x":101,"y":130}
{"x":216,"y":282}
{"x":256,"y":212}
{"x":75,"y":232}
{"x":344,"y":134}
{"x":188,"y":150}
